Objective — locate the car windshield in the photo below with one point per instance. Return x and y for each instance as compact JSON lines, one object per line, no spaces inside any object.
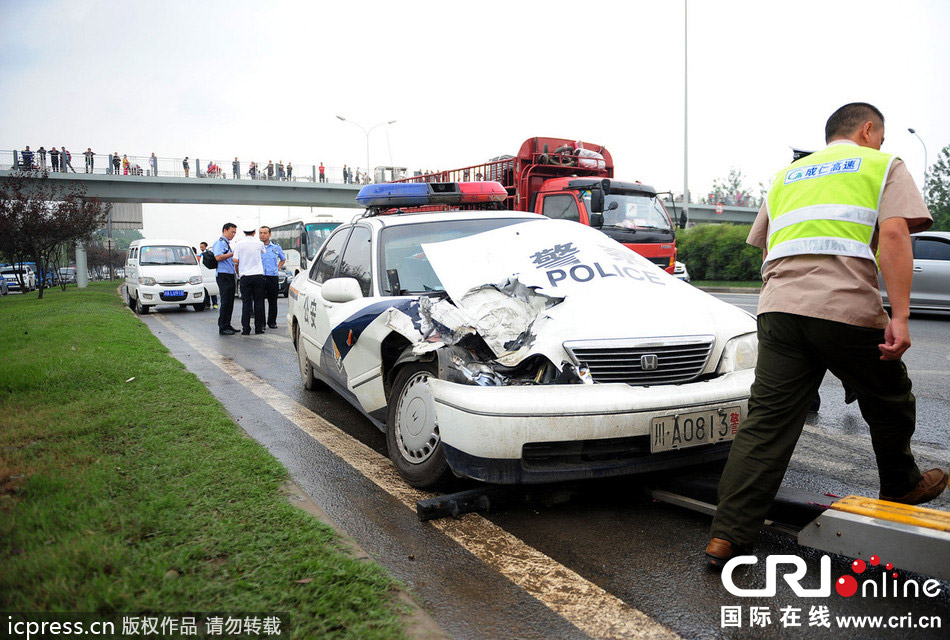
{"x":633,"y":212}
{"x":317,"y":232}
{"x":167,"y":254}
{"x":404,"y":267}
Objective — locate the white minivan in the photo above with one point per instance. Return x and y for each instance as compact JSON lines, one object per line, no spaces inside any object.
{"x":163,"y":272}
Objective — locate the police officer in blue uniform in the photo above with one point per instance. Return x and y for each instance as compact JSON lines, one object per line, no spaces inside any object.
{"x":225,"y":278}
{"x":273,"y":260}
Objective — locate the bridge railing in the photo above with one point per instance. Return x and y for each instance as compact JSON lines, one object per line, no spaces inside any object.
{"x":166,"y":167}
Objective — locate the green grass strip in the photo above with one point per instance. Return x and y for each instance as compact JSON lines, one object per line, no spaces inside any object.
{"x":108,"y":488}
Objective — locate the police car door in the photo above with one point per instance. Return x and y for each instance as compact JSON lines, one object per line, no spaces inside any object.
{"x":313,"y":314}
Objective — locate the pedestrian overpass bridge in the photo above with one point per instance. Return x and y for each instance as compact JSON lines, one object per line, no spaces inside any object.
{"x":150,"y":190}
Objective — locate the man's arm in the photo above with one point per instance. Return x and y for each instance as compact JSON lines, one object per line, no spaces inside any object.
{"x":897,"y":267}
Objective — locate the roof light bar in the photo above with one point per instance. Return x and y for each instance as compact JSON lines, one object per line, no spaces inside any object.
{"x":417,"y":194}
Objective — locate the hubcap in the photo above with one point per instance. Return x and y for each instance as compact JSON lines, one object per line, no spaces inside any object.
{"x":416,"y":430}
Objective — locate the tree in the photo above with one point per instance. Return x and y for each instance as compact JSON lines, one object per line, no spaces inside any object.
{"x":937,"y":191}
{"x":40,"y":217}
{"x":731,"y":191}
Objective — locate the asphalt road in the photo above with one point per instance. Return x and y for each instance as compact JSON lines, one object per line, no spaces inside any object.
{"x":591,"y":560}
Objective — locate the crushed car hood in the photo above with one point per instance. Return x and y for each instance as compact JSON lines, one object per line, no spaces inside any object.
{"x":528,"y":288}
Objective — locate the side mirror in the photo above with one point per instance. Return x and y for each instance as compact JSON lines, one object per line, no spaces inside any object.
{"x":597,"y":220}
{"x":596,"y":202}
{"x":341,"y":290}
{"x":683,"y":220}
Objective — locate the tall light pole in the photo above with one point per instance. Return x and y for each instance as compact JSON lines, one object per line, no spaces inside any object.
{"x":685,"y":110}
{"x":924,"y":188}
{"x":367,"y":132}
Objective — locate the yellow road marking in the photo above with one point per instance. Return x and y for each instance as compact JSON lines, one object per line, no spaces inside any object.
{"x":579,"y":601}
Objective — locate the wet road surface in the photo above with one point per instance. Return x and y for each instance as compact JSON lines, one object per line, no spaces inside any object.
{"x":590,"y":560}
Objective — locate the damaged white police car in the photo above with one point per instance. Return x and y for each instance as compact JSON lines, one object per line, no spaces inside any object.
{"x":512,"y":348}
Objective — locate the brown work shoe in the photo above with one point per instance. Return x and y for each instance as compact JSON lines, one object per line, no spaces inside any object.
{"x":719,"y":551}
{"x":931,"y":485}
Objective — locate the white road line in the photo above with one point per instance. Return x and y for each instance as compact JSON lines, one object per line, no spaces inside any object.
{"x":579,"y":601}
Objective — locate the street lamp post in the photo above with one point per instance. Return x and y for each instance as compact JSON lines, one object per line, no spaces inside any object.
{"x":914,"y":131}
{"x":367,"y":132}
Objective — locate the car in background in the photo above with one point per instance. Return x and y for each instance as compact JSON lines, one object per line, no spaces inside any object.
{"x":67,"y":275}
{"x":930,"y":290}
{"x":283,"y":283}
{"x":209,"y":278}
{"x":163,"y":272}
{"x":25,"y":273}
{"x":680,"y":272}
{"x":512,"y":348}
{"x":286,"y":276}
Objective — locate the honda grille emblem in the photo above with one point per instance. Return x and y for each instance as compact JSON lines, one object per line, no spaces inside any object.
{"x":649,"y":362}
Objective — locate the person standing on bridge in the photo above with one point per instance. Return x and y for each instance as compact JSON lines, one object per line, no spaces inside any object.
{"x":90,"y":160}
{"x":225,"y":277}
{"x":116,"y":163}
{"x":828,"y":221}
{"x":153,"y":164}
{"x":323,"y":173}
{"x":54,"y":159}
{"x":236,"y":168}
{"x":66,"y":159}
{"x":273,"y":261}
{"x":270,"y":169}
{"x":290,"y":170}
{"x":187,"y":167}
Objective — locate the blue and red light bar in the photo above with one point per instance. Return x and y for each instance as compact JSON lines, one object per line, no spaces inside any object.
{"x":417,"y":194}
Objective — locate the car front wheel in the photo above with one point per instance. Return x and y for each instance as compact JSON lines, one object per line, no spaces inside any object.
{"x":412,"y":431}
{"x":306,"y":369}
{"x":140,"y":308}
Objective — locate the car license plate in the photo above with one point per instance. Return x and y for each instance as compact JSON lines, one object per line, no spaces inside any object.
{"x":172,"y":293}
{"x":682,"y":430}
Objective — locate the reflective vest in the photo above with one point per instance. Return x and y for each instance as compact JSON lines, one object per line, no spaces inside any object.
{"x":827,"y":203}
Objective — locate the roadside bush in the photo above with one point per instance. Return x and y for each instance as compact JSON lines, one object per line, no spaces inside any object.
{"x":719,"y":252}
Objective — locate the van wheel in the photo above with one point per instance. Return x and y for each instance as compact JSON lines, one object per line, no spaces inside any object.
{"x":199,"y":307}
{"x":131,"y":300}
{"x":412,"y":431}
{"x":140,"y":308}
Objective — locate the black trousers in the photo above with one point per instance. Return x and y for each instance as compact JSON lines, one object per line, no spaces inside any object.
{"x":226,"y":291}
{"x":794,"y":353}
{"x":252,"y":300}
{"x":271,"y":289}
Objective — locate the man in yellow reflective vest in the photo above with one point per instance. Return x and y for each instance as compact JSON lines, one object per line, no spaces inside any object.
{"x":829,"y":221}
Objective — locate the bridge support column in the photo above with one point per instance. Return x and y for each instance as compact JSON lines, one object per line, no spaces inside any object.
{"x":82,"y":270}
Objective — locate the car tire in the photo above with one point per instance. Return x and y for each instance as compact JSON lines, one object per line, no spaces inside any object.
{"x":140,"y":308}
{"x":199,"y":307}
{"x":310,"y":383}
{"x":412,"y":433}
{"x":131,"y":301}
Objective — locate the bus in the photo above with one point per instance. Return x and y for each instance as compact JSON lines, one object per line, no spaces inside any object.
{"x":301,"y":238}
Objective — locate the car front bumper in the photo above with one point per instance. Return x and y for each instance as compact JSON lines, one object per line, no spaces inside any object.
{"x":158,"y":294}
{"x":549,"y":433}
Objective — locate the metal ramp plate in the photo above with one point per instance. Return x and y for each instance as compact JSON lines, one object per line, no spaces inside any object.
{"x":911,"y":538}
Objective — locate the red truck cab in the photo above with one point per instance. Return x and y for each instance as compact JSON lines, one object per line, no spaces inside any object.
{"x":573,"y":180}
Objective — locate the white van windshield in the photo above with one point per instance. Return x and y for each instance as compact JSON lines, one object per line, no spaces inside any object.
{"x":166,"y":254}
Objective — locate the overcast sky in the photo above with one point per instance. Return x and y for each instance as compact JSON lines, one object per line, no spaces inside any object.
{"x":466,"y":82}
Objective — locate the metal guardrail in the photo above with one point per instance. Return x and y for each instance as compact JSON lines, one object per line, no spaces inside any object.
{"x":122,"y":164}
